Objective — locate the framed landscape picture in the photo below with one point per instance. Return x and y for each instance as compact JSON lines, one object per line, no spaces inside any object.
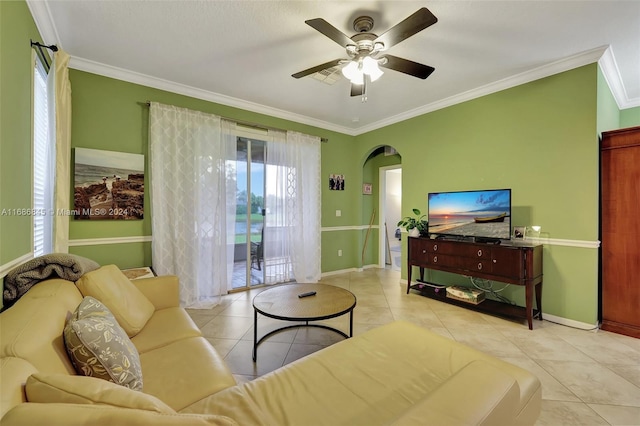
{"x":108,"y":185}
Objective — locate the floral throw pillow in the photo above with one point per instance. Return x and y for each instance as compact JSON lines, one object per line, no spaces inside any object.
{"x":99,"y":347}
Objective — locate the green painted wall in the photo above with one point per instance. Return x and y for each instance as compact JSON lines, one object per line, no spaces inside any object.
{"x":110,"y":114}
{"x":608,"y":112}
{"x":630,"y":117}
{"x":538,"y":139}
{"x":16,"y":29}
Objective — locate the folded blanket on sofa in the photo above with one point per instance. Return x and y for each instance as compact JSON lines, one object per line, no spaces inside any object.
{"x":21,"y":278}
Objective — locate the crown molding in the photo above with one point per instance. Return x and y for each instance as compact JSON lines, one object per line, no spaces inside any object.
{"x":44,"y":22}
{"x":566,"y":64}
{"x":182,"y":89}
{"x":611,"y":73}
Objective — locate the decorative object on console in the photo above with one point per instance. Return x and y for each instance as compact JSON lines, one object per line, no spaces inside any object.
{"x":418,"y":223}
{"x":518,"y":232}
{"x":465,"y":294}
{"x":532,"y":231}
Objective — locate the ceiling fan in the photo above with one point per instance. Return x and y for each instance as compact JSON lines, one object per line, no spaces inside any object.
{"x":366,"y":50}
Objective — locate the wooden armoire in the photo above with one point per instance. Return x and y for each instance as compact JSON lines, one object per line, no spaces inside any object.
{"x":620,"y":231}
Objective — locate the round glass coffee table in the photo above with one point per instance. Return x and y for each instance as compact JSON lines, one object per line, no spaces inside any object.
{"x":282,"y":302}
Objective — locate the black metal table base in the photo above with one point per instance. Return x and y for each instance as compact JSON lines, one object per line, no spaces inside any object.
{"x":256,"y":342}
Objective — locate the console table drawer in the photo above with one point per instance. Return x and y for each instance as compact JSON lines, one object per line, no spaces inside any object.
{"x":474,"y":251}
{"x":477,"y":265}
{"x":444,"y":261}
{"x":443,"y":247}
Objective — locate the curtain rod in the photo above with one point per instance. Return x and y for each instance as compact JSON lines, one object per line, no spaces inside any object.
{"x":247,"y":124}
{"x":52,"y":47}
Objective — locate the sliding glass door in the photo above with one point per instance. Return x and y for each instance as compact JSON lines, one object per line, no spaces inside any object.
{"x":249,"y":267}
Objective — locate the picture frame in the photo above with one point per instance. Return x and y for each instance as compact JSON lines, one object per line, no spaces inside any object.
{"x":367,"y":188}
{"x":108,"y":185}
{"x":518,"y":232}
{"x":336,"y":182}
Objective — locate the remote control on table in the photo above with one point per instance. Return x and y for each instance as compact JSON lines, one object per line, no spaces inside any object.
{"x":311,"y":293}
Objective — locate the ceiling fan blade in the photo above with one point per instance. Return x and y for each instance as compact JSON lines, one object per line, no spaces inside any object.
{"x":357,"y":89}
{"x":406,"y":66}
{"x":330,"y":31}
{"x":317,"y":68}
{"x":415,"y":23}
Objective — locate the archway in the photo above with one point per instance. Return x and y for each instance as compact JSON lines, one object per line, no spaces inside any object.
{"x":382,"y":173}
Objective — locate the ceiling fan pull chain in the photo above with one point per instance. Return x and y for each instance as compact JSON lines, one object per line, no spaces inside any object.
{"x":364,"y":89}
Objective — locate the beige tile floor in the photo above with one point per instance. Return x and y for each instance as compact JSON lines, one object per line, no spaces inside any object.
{"x":588,"y":377}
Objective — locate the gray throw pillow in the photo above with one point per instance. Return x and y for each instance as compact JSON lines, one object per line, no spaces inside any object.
{"x":99,"y":347}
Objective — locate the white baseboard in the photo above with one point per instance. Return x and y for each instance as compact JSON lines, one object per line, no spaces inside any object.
{"x":344,"y":271}
{"x":339,"y":271}
{"x":569,"y":322}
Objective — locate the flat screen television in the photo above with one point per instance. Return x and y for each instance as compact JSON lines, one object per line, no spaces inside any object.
{"x":484,"y":215}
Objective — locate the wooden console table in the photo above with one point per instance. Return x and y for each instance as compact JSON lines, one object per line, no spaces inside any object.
{"x":514,"y":264}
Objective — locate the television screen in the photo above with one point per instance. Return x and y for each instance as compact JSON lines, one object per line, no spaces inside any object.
{"x":479,"y":214}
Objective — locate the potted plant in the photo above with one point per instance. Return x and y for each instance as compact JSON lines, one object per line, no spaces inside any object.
{"x":418,"y":223}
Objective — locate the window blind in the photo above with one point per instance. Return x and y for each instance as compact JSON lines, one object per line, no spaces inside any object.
{"x":42,"y":213}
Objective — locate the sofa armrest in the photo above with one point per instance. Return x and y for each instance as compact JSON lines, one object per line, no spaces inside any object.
{"x":54,"y":414}
{"x":479,"y":394}
{"x":162,"y":291}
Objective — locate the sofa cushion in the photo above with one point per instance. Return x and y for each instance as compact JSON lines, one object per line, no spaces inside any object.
{"x":111,"y":287}
{"x":55,"y":414}
{"x":89,"y":390}
{"x":99,"y":347}
{"x":489,"y":397}
{"x":13,"y":372}
{"x":32,"y":328}
{"x":164,"y":327}
{"x":184,"y":372}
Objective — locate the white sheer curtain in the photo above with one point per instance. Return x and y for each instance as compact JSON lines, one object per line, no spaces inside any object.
{"x":292,"y":233}
{"x":192,"y":201}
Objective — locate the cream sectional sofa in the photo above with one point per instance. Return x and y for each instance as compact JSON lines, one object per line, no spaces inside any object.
{"x":398,"y":374}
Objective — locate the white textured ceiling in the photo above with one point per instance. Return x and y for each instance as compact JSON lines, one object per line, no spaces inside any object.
{"x":242,"y":53}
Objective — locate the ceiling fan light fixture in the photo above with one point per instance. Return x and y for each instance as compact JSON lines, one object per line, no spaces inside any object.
{"x":358,"y":78}
{"x":351,"y":70}
{"x":371,"y":68}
